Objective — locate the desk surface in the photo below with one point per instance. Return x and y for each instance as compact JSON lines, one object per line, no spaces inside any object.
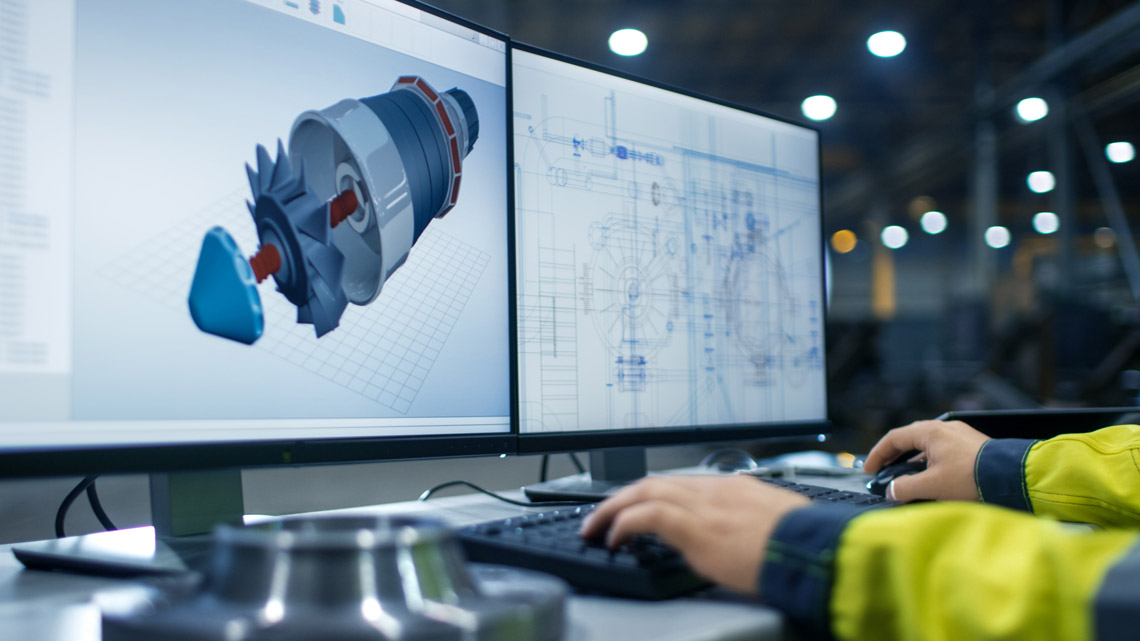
{"x":52,"y":606}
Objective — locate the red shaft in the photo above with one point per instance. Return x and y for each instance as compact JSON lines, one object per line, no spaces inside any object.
{"x":266,"y":262}
{"x":342,"y":207}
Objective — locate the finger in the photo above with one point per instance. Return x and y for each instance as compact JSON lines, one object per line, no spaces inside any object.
{"x":895,"y":442}
{"x":912,"y":487}
{"x":656,"y":488}
{"x":673,"y":524}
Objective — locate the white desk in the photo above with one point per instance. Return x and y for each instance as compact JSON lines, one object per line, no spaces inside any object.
{"x":50,"y":606}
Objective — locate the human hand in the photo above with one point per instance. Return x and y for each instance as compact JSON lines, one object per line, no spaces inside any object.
{"x":721,"y":525}
{"x":950,"y":449}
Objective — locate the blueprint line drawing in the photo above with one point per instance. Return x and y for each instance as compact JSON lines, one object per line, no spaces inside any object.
{"x":383,"y":352}
{"x":670,"y":262}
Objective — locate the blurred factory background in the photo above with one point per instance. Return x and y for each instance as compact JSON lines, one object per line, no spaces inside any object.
{"x":979,"y":186}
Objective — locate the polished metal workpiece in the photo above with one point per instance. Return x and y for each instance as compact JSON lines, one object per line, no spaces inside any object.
{"x":395,"y":578}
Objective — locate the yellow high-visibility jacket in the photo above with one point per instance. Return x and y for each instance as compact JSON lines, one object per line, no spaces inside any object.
{"x":1004,"y":569}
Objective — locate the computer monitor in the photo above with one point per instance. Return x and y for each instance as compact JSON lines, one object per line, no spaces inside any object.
{"x":237,"y":233}
{"x":669,"y":269}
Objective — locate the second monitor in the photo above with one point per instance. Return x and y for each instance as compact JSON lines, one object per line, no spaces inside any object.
{"x":669,"y":266}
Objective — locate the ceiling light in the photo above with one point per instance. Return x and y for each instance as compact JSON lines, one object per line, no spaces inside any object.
{"x":894,"y":237}
{"x":843,"y":241}
{"x":933,"y":222}
{"x":628,"y":42}
{"x":997,"y":237}
{"x":819,"y":107}
{"x":886,"y":44}
{"x":1119,"y":152}
{"x":1041,"y":181}
{"x":1032,"y":109}
{"x":1046,"y":222}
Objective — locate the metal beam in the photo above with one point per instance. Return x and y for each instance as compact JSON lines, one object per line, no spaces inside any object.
{"x":929,"y":153}
{"x":1110,"y":199}
{"x":1125,"y":22}
{"x":1063,"y":198}
{"x":984,"y":188}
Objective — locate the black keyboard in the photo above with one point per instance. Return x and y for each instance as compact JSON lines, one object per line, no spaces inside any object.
{"x":831,"y":495}
{"x":644,"y":568}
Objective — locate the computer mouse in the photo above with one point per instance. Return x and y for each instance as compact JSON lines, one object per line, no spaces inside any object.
{"x":901,"y":466}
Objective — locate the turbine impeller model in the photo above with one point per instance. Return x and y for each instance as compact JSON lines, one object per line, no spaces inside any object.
{"x":338,"y":213}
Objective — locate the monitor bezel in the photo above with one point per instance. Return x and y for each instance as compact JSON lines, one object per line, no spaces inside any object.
{"x":198,"y":455}
{"x":145,"y":458}
{"x":581,"y":440}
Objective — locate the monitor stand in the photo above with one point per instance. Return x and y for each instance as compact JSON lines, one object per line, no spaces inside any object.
{"x":609,"y":471}
{"x":184,"y":507}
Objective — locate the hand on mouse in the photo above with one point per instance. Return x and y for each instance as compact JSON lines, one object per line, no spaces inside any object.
{"x":721,"y":525}
{"x":950,"y":449}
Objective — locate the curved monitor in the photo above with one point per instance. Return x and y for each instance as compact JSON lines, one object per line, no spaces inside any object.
{"x":669,"y":264}
{"x":250,"y":232}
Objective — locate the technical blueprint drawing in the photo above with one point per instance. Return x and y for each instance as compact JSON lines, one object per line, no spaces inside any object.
{"x":669,"y":258}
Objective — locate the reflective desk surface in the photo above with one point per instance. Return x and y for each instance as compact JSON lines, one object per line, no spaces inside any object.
{"x":48,"y":606}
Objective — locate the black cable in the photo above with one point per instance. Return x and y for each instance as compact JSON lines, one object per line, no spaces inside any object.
{"x":61,"y":514}
{"x":88,"y":485}
{"x":577,"y":463}
{"x":427,"y":494}
{"x":97,"y":508}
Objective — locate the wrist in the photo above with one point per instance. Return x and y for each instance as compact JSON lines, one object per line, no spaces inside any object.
{"x":999,"y":473}
{"x":799,"y":563}
{"x":776,"y":515}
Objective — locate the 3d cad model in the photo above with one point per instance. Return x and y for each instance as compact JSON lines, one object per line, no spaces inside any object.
{"x":339,"y":213}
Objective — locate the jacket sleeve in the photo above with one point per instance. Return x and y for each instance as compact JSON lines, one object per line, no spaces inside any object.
{"x":1087,"y":478}
{"x":939,"y":571}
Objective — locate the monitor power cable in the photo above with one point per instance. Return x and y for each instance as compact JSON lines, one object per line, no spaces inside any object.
{"x":427,"y":495}
{"x":88,"y":485}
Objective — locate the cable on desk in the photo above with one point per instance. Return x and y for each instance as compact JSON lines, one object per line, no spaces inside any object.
{"x":427,"y":494}
{"x":88,"y":485}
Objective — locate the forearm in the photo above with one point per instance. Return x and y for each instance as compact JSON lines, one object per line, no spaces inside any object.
{"x":942,"y":571}
{"x":1090,"y":478}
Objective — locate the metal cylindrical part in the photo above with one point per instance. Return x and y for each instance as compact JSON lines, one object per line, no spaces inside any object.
{"x":401,"y":154}
{"x":358,"y":578}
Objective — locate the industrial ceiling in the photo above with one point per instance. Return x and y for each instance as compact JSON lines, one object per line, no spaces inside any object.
{"x":906,"y":126}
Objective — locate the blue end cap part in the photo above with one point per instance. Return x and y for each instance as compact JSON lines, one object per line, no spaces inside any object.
{"x":470,"y":115}
{"x":223,"y":295}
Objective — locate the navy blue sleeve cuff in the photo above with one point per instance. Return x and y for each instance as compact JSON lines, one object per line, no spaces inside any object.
{"x":999,"y":472}
{"x":799,"y":565}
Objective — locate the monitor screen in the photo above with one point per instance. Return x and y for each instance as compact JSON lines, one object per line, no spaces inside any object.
{"x":669,"y":260}
{"x":250,"y":220}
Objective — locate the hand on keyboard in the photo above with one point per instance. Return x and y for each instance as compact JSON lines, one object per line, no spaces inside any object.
{"x":721,"y":525}
{"x":644,"y":568}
